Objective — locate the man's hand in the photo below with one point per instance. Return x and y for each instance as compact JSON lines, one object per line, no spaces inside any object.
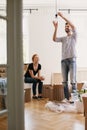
{"x":55,"y":24}
{"x":55,"y":31}
{"x":68,"y":21}
{"x":60,"y":14}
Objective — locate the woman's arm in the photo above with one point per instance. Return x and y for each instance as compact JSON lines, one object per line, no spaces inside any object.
{"x":32,"y":74}
{"x":36,"y":77}
{"x":39,"y":75}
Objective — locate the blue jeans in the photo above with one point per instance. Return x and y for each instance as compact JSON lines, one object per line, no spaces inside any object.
{"x":35,"y":82}
{"x":68,"y":66}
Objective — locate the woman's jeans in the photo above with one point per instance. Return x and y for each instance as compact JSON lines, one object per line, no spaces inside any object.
{"x":35,"y":82}
{"x":69,"y":66}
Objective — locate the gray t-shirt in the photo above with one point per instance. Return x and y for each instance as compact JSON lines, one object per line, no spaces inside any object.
{"x":68,"y":45}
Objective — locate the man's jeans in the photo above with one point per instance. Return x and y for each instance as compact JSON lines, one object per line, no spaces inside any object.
{"x":68,"y":66}
{"x":35,"y":82}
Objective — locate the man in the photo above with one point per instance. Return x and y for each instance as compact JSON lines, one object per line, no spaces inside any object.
{"x":68,"y":62}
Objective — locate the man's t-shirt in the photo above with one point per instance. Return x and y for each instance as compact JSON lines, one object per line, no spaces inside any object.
{"x":68,"y":45}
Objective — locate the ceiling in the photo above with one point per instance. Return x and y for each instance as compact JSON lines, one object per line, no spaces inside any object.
{"x":60,"y":3}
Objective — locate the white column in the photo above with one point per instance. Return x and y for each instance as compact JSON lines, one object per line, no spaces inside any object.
{"x":15,"y":65}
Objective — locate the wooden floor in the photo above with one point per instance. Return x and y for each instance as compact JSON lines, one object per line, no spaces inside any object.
{"x":37,"y":117}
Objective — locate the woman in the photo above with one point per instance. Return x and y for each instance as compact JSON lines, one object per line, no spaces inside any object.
{"x":32,"y":75}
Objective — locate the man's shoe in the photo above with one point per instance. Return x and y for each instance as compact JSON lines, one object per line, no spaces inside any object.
{"x":74,"y":91}
{"x":65,"y":100}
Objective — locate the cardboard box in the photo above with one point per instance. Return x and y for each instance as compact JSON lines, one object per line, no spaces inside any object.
{"x":58,"y":92}
{"x":2,"y":102}
{"x":46,"y":90}
{"x":55,"y":92}
{"x":79,"y":86}
{"x":27,"y":94}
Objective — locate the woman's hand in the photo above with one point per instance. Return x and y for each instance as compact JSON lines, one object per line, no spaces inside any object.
{"x":41,"y":78}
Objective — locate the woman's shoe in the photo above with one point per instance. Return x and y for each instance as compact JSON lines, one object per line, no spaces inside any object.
{"x":35,"y":97}
{"x":40,"y":97}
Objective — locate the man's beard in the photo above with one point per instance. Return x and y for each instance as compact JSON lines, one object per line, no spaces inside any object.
{"x":67,"y":30}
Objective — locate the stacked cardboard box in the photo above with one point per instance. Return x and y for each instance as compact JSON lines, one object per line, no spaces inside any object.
{"x":55,"y":92}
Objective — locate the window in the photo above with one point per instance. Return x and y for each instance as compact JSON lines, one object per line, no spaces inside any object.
{"x":26,"y":38}
{"x":3,"y":41}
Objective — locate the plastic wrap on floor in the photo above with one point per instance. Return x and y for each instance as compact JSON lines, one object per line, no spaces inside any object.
{"x":63,"y":107}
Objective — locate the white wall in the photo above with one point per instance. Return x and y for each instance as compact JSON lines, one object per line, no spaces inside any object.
{"x":41,"y":31}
